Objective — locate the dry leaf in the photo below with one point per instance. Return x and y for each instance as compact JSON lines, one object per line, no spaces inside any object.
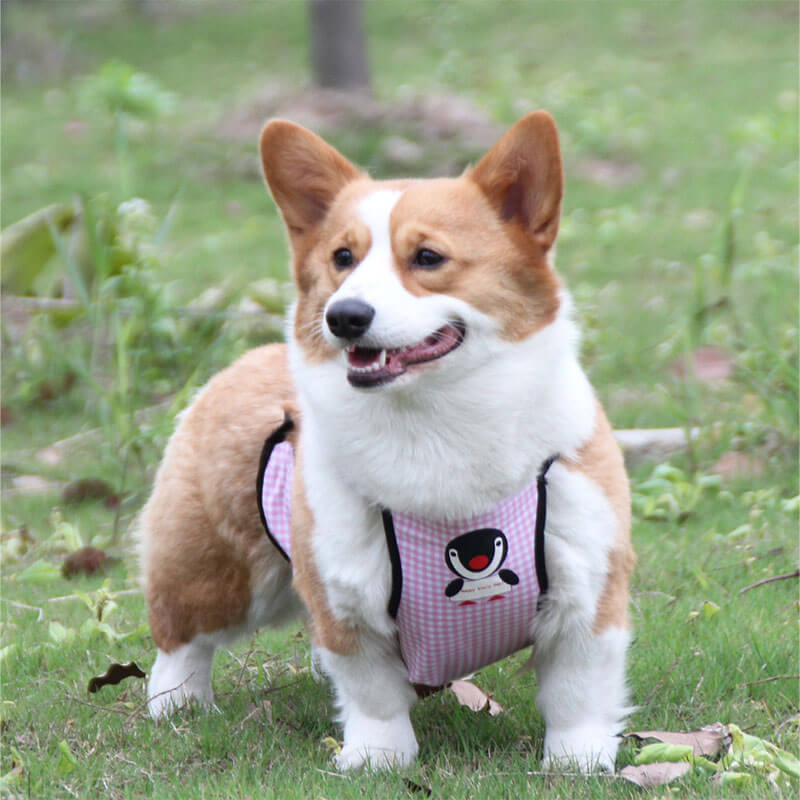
{"x":87,"y":489}
{"x":114,"y":675}
{"x":708,"y":741}
{"x":474,"y":698}
{"x":648,"y":775}
{"x":738,"y":465}
{"x":710,"y":365}
{"x":86,"y":561}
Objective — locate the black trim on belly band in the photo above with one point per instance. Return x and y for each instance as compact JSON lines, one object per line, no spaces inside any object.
{"x":394,"y":558}
{"x":270,"y":443}
{"x":541,"y":520}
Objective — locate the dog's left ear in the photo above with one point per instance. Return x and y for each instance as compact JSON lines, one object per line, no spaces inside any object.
{"x":523,"y":179}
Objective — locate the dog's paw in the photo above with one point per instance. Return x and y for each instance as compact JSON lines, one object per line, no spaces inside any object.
{"x":179,"y":678}
{"x":377,"y":744}
{"x":589,"y":748}
{"x":165,"y":702}
{"x":373,"y":758}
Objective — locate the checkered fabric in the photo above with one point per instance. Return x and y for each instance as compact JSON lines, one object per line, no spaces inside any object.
{"x":276,"y":496}
{"x":444,"y":638}
{"x":441,"y":638}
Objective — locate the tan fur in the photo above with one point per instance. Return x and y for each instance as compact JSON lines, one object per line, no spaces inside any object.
{"x":600,"y":460}
{"x":486,"y":266}
{"x":205,"y":547}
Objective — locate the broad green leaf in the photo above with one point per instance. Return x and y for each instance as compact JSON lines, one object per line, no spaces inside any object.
{"x":61,"y":635}
{"x":661,"y":751}
{"x":65,"y":534}
{"x":66,"y":761}
{"x":27,"y":246}
{"x":710,"y":609}
{"x":92,"y":627}
{"x":732,"y":778}
{"x":787,"y":763}
{"x":39,"y":572}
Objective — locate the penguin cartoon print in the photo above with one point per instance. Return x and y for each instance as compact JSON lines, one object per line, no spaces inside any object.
{"x":476,"y":557}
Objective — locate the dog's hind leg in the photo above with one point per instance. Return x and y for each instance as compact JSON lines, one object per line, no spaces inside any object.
{"x":181,"y":676}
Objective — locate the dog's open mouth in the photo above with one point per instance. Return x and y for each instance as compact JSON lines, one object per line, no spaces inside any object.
{"x":370,"y":366}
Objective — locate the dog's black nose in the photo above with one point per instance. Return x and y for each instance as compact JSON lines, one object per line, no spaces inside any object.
{"x":350,"y":318}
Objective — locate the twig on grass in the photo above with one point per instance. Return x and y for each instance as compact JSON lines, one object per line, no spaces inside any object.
{"x":25,"y":607}
{"x":546,"y":774}
{"x":96,"y":707}
{"x":120,"y":593}
{"x":795,"y":574}
{"x":773,"y":678}
{"x":662,"y":680}
{"x":332,"y":774}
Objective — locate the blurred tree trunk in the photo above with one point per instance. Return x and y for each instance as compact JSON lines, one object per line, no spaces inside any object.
{"x":139,"y":6}
{"x":338,"y":44}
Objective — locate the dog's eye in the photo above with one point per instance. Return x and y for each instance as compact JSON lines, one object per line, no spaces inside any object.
{"x":427,"y":259}
{"x":343,"y":258}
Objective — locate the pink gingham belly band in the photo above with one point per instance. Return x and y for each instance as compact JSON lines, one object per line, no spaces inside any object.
{"x":455,"y":613}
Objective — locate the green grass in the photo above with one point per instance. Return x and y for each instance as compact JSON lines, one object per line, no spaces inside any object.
{"x":689,"y":99}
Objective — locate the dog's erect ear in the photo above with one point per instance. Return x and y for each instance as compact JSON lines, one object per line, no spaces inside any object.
{"x":303,"y":172}
{"x":523,"y":179}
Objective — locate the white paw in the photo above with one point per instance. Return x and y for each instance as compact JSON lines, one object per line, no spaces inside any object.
{"x":590,"y":748}
{"x":164,"y":702}
{"x":373,"y":758}
{"x":376,"y":743}
{"x":180,"y":678}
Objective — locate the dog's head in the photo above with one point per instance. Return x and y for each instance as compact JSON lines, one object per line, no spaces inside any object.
{"x":400,"y":278}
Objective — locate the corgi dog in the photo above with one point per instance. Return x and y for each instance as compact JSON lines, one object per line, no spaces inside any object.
{"x":423,"y":472}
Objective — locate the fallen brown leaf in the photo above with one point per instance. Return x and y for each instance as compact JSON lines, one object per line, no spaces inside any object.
{"x":87,"y":489}
{"x":474,"y":698}
{"x":732,"y":464}
{"x":708,"y":741}
{"x":648,"y":775}
{"x":115,"y":674}
{"x":86,"y":561}
{"x":709,"y":364}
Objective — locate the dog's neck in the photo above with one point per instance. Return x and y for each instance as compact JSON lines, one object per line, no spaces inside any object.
{"x":451,"y":447}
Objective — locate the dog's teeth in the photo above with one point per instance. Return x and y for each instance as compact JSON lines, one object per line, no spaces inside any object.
{"x":382,"y":359}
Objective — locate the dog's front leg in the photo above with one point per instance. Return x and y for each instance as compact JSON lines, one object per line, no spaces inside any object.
{"x":581,"y":633}
{"x":343,"y":573}
{"x":374,"y":698}
{"x":582,"y":697}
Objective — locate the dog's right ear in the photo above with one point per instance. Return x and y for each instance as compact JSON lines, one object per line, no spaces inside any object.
{"x":303,"y":172}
